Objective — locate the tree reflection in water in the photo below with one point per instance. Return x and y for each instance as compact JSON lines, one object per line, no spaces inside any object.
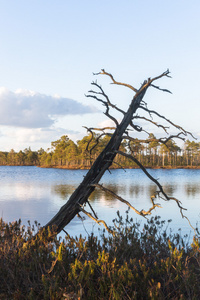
{"x":131,"y":192}
{"x":62,"y":190}
{"x":192,"y":189}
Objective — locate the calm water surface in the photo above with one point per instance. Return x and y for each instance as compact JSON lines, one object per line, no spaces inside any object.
{"x":32,"y":193}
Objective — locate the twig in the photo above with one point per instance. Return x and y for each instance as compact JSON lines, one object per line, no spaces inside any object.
{"x":96,"y":220}
{"x":103,"y":72}
{"x":102,"y":93}
{"x":151,"y":121}
{"x":92,"y":209}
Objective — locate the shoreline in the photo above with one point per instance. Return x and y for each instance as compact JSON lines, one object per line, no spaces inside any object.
{"x":126,"y":168}
{"x":112,"y":168}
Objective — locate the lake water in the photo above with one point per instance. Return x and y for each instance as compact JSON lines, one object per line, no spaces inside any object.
{"x":32,"y":193}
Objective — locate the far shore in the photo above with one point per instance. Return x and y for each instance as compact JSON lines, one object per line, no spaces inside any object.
{"x":126,"y":168}
{"x":114,"y":168}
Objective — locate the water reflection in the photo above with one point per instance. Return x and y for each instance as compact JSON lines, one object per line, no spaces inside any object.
{"x":130,"y":193}
{"x":136,"y":190}
{"x":37,"y":194}
{"x":192,"y":189}
{"x":170,"y":189}
{"x":63,"y":190}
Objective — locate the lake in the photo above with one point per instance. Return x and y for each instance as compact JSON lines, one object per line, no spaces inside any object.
{"x":32,"y":193}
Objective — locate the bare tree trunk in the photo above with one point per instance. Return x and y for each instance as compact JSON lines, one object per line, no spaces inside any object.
{"x":105,"y":159}
{"x":102,"y":163}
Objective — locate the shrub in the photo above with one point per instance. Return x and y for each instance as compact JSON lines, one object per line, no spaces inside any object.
{"x":146,"y":262}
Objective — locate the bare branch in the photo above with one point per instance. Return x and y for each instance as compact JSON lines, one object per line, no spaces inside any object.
{"x":136,"y":127}
{"x":96,"y":220}
{"x":142,"y":213}
{"x":148,"y":83}
{"x":92,"y":136}
{"x":163,"y":90}
{"x":151,"y":121}
{"x":145,"y":171}
{"x":114,"y":162}
{"x":106,"y":103}
{"x":103,"y":72}
{"x":161,"y":140}
{"x":170,"y":122}
{"x":92,"y":209}
{"x":181,"y":209}
{"x":96,"y":139}
{"x":111,"y":117}
{"x":165,"y":140}
{"x":161,"y":191}
{"x":91,"y":130}
{"x":102,"y":93}
{"x":100,"y":129}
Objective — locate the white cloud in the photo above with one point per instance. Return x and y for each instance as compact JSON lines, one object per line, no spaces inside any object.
{"x":21,"y":138}
{"x":24,"y":108}
{"x":106,"y":123}
{"x":29,"y":135}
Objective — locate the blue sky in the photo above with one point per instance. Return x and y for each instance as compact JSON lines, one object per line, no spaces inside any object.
{"x":49,"y":50}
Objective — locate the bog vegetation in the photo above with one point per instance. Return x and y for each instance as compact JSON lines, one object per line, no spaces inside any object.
{"x":68,"y":154}
{"x":138,"y":262}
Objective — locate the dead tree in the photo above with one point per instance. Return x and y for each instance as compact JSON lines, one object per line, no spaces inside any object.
{"x":80,"y":196}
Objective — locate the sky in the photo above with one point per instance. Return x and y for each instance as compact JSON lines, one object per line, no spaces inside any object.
{"x":49,"y":51}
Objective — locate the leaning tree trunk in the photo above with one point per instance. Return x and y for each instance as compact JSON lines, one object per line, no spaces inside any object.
{"x":106,"y":157}
{"x":101,"y":164}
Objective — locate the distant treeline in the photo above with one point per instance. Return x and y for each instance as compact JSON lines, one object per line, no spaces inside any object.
{"x":65,"y":153}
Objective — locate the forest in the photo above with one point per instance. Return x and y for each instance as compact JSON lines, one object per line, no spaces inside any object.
{"x":65,"y":153}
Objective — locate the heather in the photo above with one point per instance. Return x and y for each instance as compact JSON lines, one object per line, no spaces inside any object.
{"x":146,"y":261}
